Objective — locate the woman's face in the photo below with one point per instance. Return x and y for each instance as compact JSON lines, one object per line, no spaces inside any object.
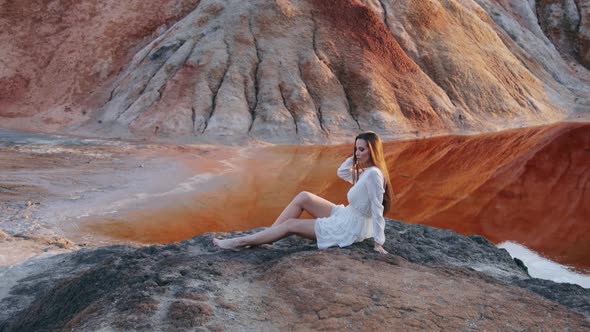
{"x":361,"y":152}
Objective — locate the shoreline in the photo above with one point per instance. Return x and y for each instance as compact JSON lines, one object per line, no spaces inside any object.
{"x":244,"y":141}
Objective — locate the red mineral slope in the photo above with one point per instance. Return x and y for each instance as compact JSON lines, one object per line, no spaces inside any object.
{"x":58,"y":56}
{"x":367,"y":59}
{"x":281,"y":71}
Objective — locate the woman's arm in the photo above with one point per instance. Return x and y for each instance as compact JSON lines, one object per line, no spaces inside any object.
{"x":376,"y":190}
{"x":345,"y":170}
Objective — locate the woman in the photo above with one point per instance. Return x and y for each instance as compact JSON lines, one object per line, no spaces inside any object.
{"x":369,"y":198}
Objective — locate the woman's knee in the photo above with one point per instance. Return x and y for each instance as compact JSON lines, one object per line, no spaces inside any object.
{"x":301,"y":197}
{"x":304,"y":196}
{"x":290,"y":226}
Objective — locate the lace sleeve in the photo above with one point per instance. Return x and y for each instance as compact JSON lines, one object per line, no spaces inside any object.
{"x":345,"y":170}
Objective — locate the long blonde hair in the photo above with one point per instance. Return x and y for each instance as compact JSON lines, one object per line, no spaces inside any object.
{"x":378,"y":160}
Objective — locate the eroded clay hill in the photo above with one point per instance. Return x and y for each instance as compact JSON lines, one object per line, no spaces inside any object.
{"x":291,"y":71}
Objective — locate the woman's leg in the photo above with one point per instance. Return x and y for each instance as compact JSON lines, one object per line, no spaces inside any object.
{"x":313,"y":204}
{"x":302,"y":227}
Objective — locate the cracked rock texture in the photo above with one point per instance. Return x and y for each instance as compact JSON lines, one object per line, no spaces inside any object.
{"x":300,"y":71}
{"x":433,"y":279}
{"x":567,"y":24}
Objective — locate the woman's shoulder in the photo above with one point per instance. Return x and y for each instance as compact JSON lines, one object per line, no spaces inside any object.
{"x":374,"y":171}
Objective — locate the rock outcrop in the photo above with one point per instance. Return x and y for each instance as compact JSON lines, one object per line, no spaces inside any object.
{"x":290,"y":71}
{"x":567,"y":24}
{"x":433,"y":279}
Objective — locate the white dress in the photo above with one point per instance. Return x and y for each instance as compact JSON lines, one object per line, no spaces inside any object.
{"x":362,"y":218}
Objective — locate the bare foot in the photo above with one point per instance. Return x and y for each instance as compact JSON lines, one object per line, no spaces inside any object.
{"x":378,"y":248}
{"x":231,"y":244}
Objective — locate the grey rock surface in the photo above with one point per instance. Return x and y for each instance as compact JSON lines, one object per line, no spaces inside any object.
{"x":185,"y":285}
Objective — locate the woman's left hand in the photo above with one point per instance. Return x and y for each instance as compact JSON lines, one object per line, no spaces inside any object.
{"x":378,"y":248}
